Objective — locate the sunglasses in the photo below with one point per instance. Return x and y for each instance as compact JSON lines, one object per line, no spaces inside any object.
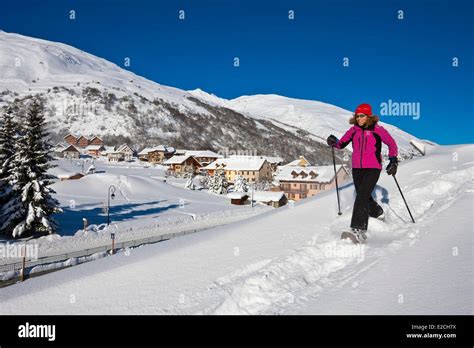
{"x":360,"y":115}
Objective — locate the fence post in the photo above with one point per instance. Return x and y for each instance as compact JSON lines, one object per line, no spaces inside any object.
{"x":112,"y":235}
{"x":23,"y":254}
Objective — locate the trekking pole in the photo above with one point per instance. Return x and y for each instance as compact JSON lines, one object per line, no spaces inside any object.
{"x":404,"y":199}
{"x":337,"y":186}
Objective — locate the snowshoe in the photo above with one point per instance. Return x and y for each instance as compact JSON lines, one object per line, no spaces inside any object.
{"x":356,"y":235}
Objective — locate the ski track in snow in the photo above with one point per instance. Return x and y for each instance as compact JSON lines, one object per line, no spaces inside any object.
{"x":271,"y":285}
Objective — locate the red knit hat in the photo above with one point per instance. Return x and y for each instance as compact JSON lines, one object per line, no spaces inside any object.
{"x":364,"y":109}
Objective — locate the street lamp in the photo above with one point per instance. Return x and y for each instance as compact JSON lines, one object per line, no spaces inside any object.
{"x":110,"y":195}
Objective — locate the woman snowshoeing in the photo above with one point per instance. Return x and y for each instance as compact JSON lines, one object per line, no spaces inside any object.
{"x":367,"y":138}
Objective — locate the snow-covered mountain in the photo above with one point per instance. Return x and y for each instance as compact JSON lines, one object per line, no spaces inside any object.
{"x":88,"y":95}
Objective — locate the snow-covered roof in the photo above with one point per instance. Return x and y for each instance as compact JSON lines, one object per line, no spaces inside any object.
{"x":70,"y":148}
{"x":74,"y":135}
{"x":124,"y":147}
{"x":238,"y":163}
{"x":108,"y":149}
{"x":177,"y":159}
{"x":94,"y":147}
{"x":268,"y":196}
{"x":273,"y":159}
{"x":161,"y":148}
{"x":270,"y":159}
{"x":203,"y":153}
{"x":144,"y":151}
{"x":180,"y":151}
{"x":237,"y":195}
{"x":320,"y":174}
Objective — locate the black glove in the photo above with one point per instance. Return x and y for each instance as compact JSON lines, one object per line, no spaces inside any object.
{"x":392,"y":166}
{"x":332,"y":140}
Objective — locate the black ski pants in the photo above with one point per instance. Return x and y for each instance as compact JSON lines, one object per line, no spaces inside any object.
{"x":365,"y":180}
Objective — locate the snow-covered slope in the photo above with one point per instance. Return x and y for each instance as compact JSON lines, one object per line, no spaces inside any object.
{"x":33,"y":65}
{"x":291,"y":260}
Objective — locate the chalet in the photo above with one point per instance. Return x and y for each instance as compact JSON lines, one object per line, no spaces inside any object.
{"x":252,"y":168}
{"x":82,"y":142}
{"x":96,"y":141}
{"x":273,"y":199}
{"x":204,"y":157}
{"x":94,"y":150}
{"x":127,"y":152}
{"x":238,"y":198}
{"x":70,"y":152}
{"x":157,"y":154}
{"x":299,"y":182}
{"x":182,"y":164}
{"x":71,"y":139}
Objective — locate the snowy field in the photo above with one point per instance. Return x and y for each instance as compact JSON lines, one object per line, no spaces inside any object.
{"x":140,"y":193}
{"x":145,"y":205}
{"x":289,"y":260}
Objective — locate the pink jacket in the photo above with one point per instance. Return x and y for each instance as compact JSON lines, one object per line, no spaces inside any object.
{"x":367,"y":145}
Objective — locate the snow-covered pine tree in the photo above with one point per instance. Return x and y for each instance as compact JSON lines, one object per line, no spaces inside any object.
{"x":29,"y":212}
{"x":218,"y":182}
{"x":190,"y":184}
{"x":240,"y":184}
{"x":7,"y":142}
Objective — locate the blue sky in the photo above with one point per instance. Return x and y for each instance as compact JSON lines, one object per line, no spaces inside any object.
{"x":407,"y":60}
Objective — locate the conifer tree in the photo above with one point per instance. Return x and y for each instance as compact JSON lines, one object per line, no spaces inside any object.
{"x":30,"y":209}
